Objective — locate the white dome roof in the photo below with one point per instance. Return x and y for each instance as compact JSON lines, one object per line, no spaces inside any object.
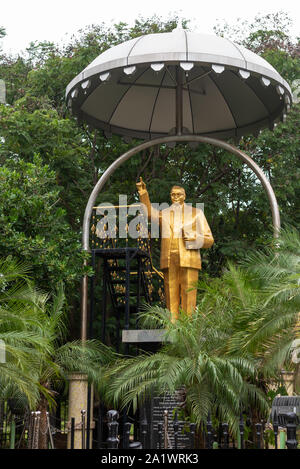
{"x":130,"y":89}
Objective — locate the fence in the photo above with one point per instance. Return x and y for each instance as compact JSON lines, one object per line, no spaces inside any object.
{"x":209,"y":437}
{"x":23,"y":432}
{"x":20,"y":428}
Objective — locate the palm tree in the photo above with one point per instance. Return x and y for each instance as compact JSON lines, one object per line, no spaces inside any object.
{"x":194,"y":356}
{"x":59,"y":358}
{"x":33,"y":327}
{"x":271,"y":324}
{"x":232,"y":347}
{"x":20,"y":306}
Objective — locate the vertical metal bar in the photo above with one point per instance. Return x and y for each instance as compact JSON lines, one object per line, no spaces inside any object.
{"x":37,"y":430}
{"x":138,"y":293}
{"x":88,"y":416}
{"x":166,"y":413}
{"x":84,"y":304}
{"x":127,"y":296}
{"x":225,"y":435}
{"x":176,"y":428}
{"x":34,"y":430}
{"x":192,"y":435}
{"x":104,"y":301}
{"x":209,"y":432}
{"x":72,"y":432}
{"x":291,"y":429}
{"x":57,"y":415}
{"x":136,"y":426}
{"x":179,"y":101}
{"x":127,"y":290}
{"x":112,"y":440}
{"x":90,"y":336}
{"x":126,"y":437}
{"x":31,"y":430}
{"x":275,"y":428}
{"x":219,"y":435}
{"x":83,"y":412}
{"x":258,"y":435}
{"x":263,"y":435}
{"x":12,"y":432}
{"x":118,"y":330}
{"x":5,"y":426}
{"x":124,"y":420}
{"x":24,"y":423}
{"x":49,"y":430}
{"x":92,"y":296}
{"x":241,"y":426}
{"x":159,"y":434}
{"x":1,"y":420}
{"x":144,"y":427}
{"x":7,"y":436}
{"x":100,"y":433}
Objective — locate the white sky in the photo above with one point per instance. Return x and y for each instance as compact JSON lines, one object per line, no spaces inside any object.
{"x":30,"y":20}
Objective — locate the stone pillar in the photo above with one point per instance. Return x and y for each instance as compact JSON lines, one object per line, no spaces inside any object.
{"x":78,"y":392}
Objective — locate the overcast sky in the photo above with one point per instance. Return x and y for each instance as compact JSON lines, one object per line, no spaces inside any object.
{"x":30,"y":20}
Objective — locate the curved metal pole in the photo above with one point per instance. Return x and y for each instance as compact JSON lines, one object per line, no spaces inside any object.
{"x":126,"y":156}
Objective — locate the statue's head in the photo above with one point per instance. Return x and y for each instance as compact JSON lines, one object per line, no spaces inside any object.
{"x":177,"y":195}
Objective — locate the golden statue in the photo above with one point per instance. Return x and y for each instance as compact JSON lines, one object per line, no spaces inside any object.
{"x":184,"y":230}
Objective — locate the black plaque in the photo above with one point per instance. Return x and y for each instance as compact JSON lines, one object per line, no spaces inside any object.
{"x":171,"y":403}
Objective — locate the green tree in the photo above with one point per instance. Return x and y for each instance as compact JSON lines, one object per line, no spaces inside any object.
{"x":35,"y":229}
{"x":20,"y":305}
{"x":194,"y":357}
{"x":33,"y":226}
{"x":35,"y":133}
{"x":37,"y":122}
{"x":271,"y":321}
{"x":230,"y":353}
{"x":60,"y":358}
{"x":268,"y":36}
{"x":33,"y":328}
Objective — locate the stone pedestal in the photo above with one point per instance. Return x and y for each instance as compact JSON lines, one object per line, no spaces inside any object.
{"x":143,"y":336}
{"x":78,"y":393}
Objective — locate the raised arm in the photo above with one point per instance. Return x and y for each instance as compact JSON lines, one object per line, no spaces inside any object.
{"x":153,"y":214}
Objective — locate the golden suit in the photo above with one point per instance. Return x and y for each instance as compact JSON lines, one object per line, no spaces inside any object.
{"x":180,"y":260}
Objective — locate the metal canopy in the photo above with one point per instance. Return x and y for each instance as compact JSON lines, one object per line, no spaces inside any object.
{"x":179,"y":83}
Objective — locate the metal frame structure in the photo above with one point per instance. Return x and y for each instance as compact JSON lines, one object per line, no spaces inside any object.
{"x":126,"y":255}
{"x":159,"y":141}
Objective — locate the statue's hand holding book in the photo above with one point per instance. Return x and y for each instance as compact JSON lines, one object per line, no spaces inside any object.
{"x":193,"y":240}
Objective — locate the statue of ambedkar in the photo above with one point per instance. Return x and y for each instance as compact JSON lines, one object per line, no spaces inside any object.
{"x":184,"y":230}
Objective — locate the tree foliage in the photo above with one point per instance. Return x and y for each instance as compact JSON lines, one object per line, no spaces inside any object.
{"x":55,"y":162}
{"x":247,"y":318}
{"x":194,"y":358}
{"x":38,"y":357}
{"x":235,"y":344}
